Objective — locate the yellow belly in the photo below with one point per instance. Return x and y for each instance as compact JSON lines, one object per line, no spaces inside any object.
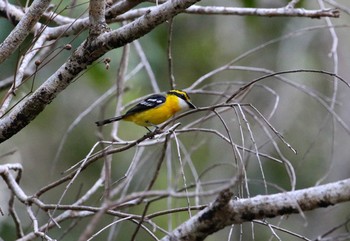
{"x":157,"y":115}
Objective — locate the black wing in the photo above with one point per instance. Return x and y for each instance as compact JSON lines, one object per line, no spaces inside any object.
{"x":146,"y":104}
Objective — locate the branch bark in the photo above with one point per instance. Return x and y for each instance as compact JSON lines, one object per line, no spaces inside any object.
{"x":225,"y":211}
{"x":265,"y":12}
{"x":23,"y":28}
{"x":236,"y":11}
{"x":88,"y":52}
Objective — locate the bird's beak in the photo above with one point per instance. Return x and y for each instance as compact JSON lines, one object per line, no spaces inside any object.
{"x":192,"y":106}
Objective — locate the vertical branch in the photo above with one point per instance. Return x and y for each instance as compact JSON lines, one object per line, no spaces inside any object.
{"x":182,"y":167}
{"x":106,"y":175}
{"x":16,"y":219}
{"x":256,"y":149}
{"x":333,"y":53}
{"x":170,"y":57}
{"x":97,"y":18}
{"x":12,"y":211}
{"x":123,"y":67}
{"x":169,"y":170}
{"x":150,"y":185}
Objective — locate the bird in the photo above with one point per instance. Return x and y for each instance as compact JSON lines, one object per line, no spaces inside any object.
{"x":154,"y":109}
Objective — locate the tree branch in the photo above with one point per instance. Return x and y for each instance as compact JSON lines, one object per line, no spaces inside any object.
{"x":224,"y":211}
{"x":235,"y":11}
{"x":265,"y":12}
{"x":97,"y":19}
{"x":23,"y":28}
{"x":88,"y":52}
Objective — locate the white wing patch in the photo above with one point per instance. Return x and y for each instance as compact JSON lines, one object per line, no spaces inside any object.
{"x":151,"y":102}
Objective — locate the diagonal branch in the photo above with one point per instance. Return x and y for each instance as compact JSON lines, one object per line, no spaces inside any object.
{"x":225,"y":211}
{"x":87,"y":52}
{"x":23,"y":28}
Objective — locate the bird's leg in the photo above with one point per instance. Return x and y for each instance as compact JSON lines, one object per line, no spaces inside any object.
{"x":152,"y":133}
{"x":148,"y":129}
{"x":153,"y":125}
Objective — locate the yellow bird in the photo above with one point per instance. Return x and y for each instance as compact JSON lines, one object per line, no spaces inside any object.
{"x":155,"y":109}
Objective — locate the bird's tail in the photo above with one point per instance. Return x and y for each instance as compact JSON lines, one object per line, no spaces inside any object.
{"x":110,"y":120}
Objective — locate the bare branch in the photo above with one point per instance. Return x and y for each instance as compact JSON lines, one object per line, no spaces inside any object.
{"x":265,"y":12}
{"x":121,"y":7}
{"x":222,"y":144}
{"x":262,"y":12}
{"x":27,"y":110}
{"x":224,"y":211}
{"x":23,"y":28}
{"x":97,"y":19}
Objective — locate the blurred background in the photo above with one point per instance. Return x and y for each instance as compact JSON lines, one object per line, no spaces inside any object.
{"x":298,"y":105}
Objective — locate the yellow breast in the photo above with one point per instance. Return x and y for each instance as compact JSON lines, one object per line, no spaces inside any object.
{"x":158,"y":114}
